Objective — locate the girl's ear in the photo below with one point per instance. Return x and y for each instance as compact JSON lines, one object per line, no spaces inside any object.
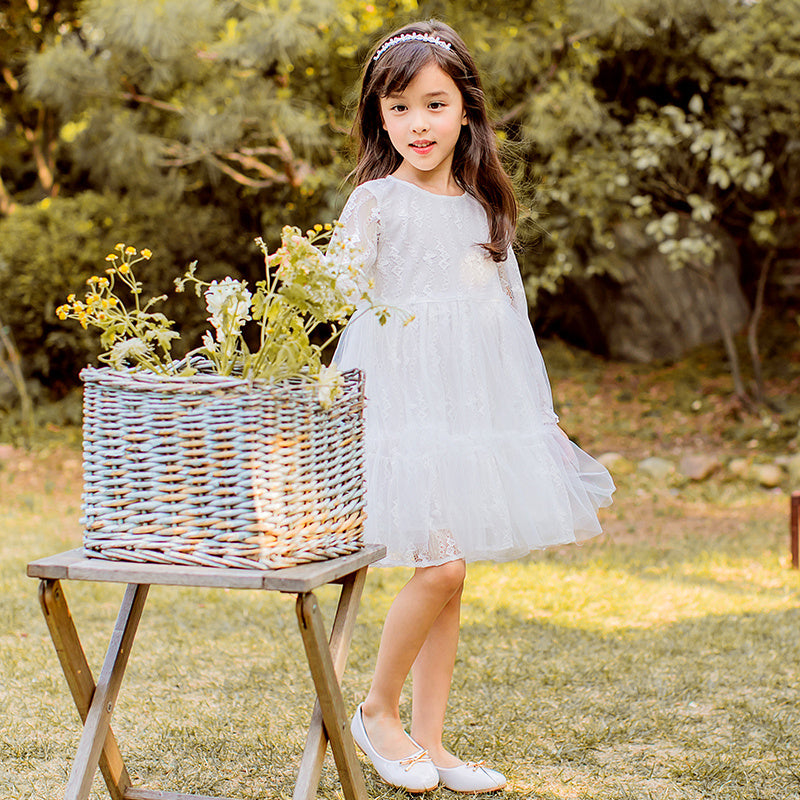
{"x":464,"y":120}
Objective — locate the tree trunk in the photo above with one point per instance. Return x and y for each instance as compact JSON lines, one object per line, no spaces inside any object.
{"x":752,"y":328}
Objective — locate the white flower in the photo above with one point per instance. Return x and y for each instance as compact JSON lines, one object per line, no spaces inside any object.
{"x":228,"y":303}
{"x":345,"y":261}
{"x":127,"y":348}
{"x":209,"y":343}
{"x":329,"y":385}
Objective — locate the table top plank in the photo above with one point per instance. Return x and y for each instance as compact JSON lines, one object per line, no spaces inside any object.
{"x":135,"y":793}
{"x":54,"y":566}
{"x":76,"y":565}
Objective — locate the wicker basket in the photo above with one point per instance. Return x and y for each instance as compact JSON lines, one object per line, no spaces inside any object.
{"x":216,"y":471}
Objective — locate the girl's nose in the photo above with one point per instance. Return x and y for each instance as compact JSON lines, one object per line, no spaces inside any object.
{"x":419,"y":124}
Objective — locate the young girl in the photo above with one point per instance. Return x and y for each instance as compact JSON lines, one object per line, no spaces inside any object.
{"x":464,"y":458}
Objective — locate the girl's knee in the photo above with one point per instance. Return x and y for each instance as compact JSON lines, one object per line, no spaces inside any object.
{"x":447,"y":578}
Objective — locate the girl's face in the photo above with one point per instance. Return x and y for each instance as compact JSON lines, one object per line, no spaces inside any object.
{"x":424,"y":122}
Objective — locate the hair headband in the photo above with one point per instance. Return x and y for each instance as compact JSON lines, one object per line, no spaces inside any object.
{"x":408,"y":37}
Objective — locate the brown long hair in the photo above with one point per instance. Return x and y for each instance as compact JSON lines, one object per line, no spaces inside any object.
{"x":476,"y":162}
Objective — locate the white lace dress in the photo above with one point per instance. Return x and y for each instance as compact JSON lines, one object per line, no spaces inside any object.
{"x":464,"y":457}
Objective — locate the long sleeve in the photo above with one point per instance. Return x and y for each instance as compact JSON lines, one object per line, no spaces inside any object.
{"x":511,"y":281}
{"x":355,"y":239}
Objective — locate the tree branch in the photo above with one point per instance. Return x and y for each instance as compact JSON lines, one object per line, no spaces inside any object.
{"x":249,"y":162}
{"x":12,"y":82}
{"x":150,"y":101}
{"x":43,"y":148}
{"x":7,"y":205}
{"x":243,"y":179}
{"x":294,"y":172}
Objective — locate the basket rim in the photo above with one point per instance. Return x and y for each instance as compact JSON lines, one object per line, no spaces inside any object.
{"x":144,"y":380}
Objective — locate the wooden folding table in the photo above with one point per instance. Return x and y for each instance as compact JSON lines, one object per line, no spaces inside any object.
{"x":95,"y":702}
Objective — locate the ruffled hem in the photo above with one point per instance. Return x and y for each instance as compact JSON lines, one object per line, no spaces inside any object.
{"x":464,"y":457}
{"x":483,"y":497}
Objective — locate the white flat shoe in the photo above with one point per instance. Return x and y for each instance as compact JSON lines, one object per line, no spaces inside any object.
{"x":415,"y":774}
{"x":471,"y":778}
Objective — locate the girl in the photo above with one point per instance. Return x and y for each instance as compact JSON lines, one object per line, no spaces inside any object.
{"x":464,"y":459}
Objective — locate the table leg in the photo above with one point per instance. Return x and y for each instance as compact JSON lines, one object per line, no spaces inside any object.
{"x":79,"y":679}
{"x":341,"y":635}
{"x":794,"y":529}
{"x":98,"y":718}
{"x":326,"y":683}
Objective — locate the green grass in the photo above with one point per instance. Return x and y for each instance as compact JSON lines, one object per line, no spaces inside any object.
{"x":659,"y":663}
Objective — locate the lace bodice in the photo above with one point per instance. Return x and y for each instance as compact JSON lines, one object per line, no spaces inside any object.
{"x":463,"y":455}
{"x":421,"y":247}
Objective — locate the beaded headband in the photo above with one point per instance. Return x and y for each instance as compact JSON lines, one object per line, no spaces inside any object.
{"x":408,"y":37}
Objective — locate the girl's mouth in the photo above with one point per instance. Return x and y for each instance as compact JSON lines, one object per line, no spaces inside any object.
{"x":422,"y":147}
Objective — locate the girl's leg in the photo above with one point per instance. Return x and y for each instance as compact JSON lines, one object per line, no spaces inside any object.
{"x":432,"y":675}
{"x":411,"y":618}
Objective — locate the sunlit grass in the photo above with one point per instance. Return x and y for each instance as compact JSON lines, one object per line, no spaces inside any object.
{"x":661,"y":661}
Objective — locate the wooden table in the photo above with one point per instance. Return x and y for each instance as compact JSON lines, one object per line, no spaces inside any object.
{"x":794,"y":529}
{"x":95,"y":702}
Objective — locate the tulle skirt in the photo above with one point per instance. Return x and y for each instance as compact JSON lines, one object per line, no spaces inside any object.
{"x":464,"y":456}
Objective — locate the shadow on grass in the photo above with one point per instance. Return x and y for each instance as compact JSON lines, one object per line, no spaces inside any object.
{"x":705,"y":707}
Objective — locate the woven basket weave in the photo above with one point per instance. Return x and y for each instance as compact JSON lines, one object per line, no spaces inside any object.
{"x":206,"y":470}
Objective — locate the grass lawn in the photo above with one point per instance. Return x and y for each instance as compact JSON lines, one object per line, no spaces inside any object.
{"x":660,"y":662}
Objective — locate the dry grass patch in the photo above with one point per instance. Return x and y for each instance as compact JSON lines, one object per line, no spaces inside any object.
{"x":660,"y":663}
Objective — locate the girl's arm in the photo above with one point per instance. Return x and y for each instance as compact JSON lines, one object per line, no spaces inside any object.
{"x":511,"y":281}
{"x":359,"y":226}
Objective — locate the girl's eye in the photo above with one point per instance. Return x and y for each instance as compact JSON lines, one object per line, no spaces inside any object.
{"x":398,"y":107}
{"x":436,"y":104}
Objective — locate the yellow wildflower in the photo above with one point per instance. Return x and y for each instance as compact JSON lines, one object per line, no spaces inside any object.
{"x":147,"y":253}
{"x":91,"y":281}
{"x":124,"y":269}
{"x":70,"y":298}
{"x":119,"y":246}
{"x":62,"y":312}
{"x":130,"y":251}
{"x":102,"y":282}
{"x":112,"y":256}
{"x":111,"y":271}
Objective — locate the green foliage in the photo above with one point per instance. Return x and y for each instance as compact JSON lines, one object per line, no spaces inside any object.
{"x":29,"y":138}
{"x":643,"y":110}
{"x":678,"y":116}
{"x":49,"y":250}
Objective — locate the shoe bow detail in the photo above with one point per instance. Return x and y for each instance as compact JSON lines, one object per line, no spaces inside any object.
{"x":418,"y":758}
{"x":472,"y":777}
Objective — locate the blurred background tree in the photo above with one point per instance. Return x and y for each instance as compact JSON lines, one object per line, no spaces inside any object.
{"x":655,"y":146}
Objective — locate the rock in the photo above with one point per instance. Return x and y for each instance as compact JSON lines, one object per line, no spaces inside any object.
{"x":793,"y":468}
{"x":768,"y":475}
{"x":699,"y":466}
{"x":739,"y":467}
{"x":656,"y":467}
{"x":617,"y":464}
{"x":648,"y":311}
